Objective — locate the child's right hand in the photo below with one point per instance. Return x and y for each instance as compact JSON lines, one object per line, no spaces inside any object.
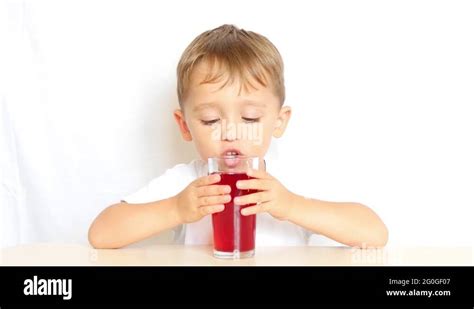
{"x":202,"y":197}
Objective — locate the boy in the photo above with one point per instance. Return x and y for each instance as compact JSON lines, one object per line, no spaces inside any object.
{"x":228,"y":77}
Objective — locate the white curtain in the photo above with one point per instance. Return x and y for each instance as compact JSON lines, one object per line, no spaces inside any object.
{"x":80,"y":112}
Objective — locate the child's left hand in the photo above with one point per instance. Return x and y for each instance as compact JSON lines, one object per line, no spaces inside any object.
{"x":273,"y":197}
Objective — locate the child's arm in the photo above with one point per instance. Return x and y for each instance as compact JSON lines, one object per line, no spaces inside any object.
{"x":352,"y":224}
{"x":122,"y":224}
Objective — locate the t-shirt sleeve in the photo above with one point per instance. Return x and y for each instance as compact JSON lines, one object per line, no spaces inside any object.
{"x":170,"y":183}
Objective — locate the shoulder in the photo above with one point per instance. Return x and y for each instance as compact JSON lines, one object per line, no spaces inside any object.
{"x":181,"y":174}
{"x":193,"y":169}
{"x":171,"y":182}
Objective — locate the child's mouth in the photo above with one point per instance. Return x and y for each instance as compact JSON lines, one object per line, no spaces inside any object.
{"x":231,"y":153}
{"x":231,"y":158}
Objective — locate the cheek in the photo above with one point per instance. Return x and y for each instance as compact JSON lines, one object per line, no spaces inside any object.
{"x":202,"y":136}
{"x":268,"y":128}
{"x":261,"y":139}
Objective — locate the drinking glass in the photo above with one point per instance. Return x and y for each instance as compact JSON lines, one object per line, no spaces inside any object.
{"x":234,"y":234}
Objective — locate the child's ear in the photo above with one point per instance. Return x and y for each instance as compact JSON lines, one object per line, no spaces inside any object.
{"x":282,"y":121}
{"x":183,"y":127}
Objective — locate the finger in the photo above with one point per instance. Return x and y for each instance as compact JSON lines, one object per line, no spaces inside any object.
{"x":256,"y":184}
{"x":253,"y":198}
{"x":258,"y":174}
{"x":215,"y":199}
{"x":211,"y":209}
{"x":207,"y":180}
{"x":252,"y":210}
{"x":213,"y":190}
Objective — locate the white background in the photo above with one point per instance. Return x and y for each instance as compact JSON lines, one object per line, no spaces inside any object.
{"x":382,"y":94}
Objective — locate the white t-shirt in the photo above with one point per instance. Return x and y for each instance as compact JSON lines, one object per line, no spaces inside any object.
{"x":269,"y":231}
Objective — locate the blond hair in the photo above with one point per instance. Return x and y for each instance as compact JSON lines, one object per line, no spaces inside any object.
{"x":233,"y":52}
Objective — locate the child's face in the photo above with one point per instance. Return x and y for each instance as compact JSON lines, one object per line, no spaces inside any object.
{"x":224,"y":122}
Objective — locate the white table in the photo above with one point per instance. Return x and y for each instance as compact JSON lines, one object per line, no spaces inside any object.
{"x":73,"y":255}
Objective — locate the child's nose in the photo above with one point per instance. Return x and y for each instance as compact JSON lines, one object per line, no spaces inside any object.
{"x":230,"y":136}
{"x":229,"y":128}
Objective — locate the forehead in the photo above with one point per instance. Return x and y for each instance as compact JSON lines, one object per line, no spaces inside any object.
{"x":214,"y":84}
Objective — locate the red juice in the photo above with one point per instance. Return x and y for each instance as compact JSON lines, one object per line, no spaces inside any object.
{"x":232,"y":230}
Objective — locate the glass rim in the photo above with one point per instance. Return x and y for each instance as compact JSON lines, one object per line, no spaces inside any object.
{"x":237,"y":163}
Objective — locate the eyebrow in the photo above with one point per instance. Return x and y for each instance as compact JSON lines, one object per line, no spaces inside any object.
{"x":203,"y":106}
{"x":255,"y":103}
{"x":213,"y":104}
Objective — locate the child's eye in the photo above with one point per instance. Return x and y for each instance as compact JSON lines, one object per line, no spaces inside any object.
{"x":209,"y":122}
{"x":250,"y":119}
